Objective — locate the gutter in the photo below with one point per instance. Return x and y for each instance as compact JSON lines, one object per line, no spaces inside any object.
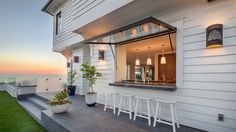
{"x":44,"y":9}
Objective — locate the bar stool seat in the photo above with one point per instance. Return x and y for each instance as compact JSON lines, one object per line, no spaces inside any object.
{"x":111,"y":101}
{"x":174,"y":119}
{"x":123,"y":101}
{"x":139,"y":104}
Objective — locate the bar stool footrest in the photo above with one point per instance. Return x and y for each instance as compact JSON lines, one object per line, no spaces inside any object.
{"x":143,"y":116}
{"x":165,"y":122}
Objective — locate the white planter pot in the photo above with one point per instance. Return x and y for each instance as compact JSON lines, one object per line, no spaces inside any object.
{"x":91,"y":99}
{"x":59,"y":108}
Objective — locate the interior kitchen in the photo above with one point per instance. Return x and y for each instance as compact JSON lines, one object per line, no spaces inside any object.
{"x":145,"y":54}
{"x":151,"y":61}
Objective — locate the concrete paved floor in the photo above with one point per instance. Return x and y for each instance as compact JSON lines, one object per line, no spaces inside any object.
{"x":81,"y":118}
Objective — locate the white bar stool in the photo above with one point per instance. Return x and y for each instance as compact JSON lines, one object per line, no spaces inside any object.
{"x":124,"y":100}
{"x":111,"y":102}
{"x":139,"y":101}
{"x":172,"y":110}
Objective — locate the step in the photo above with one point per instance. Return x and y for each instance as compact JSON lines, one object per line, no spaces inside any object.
{"x":42,"y":98}
{"x":32,"y":109}
{"x":39,"y":102}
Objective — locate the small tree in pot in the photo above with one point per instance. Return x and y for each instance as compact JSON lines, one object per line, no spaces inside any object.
{"x":71,"y":78}
{"x":91,"y":75}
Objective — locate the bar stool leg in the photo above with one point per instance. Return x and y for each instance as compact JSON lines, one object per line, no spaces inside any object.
{"x":159,"y":112}
{"x":105,"y":107}
{"x":120,"y":106}
{"x":155,"y":116}
{"x":152,"y":106}
{"x":140,"y":108}
{"x":149,"y":116}
{"x":176,"y":118}
{"x":130,"y":109}
{"x":172,"y":117}
{"x":136,"y":108}
{"x":114,"y":104}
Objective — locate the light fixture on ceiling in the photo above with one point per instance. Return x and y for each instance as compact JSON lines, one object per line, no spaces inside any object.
{"x":134,"y":32}
{"x":137,"y":61}
{"x":163,"y":58}
{"x":149,"y":60}
{"x":145,"y":28}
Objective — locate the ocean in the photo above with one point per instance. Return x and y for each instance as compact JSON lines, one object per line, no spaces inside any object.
{"x":19,"y":77}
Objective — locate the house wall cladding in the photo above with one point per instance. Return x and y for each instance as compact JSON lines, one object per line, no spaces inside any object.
{"x":209,"y":77}
{"x":86,"y":11}
{"x":83,"y":52}
{"x":75,"y":14}
{"x":67,"y":37}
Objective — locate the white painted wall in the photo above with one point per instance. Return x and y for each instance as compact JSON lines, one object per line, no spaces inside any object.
{"x":206,"y":78}
{"x":67,"y":37}
{"x":86,"y":11}
{"x":83,"y":52}
{"x":106,"y":67}
{"x":76,"y":13}
{"x":11,"y":89}
{"x":44,"y":84}
{"x":52,"y":84}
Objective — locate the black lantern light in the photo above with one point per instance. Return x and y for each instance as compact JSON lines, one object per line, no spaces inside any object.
{"x":101,"y":55}
{"x":76,"y":59}
{"x":68,"y":64}
{"x":214,"y":36}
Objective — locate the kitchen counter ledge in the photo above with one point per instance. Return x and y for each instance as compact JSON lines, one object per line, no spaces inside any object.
{"x":153,"y":86}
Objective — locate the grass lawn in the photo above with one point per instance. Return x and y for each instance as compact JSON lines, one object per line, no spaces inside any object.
{"x":13,"y":118}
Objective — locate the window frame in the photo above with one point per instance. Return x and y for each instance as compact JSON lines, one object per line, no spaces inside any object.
{"x":58,"y":26}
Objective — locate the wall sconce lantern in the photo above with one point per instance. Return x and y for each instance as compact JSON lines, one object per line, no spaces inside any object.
{"x":68,"y":64}
{"x":214,"y":36}
{"x":101,"y":55}
{"x":76,"y":59}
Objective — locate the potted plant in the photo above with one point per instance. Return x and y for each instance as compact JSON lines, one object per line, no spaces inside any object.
{"x":71,"y":78}
{"x":91,"y":75}
{"x":60,"y":103}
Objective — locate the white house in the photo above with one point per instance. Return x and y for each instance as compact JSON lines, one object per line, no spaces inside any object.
{"x":200,"y":78}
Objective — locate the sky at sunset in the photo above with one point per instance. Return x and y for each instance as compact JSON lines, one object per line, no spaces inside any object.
{"x":26,"y":39}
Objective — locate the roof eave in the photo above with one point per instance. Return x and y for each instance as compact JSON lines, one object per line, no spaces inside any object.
{"x":44,"y":9}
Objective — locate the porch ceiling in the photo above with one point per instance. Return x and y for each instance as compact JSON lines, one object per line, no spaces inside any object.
{"x":129,"y":13}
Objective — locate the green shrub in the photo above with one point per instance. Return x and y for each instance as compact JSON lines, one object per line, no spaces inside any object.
{"x":60,"y":98}
{"x":91,"y":74}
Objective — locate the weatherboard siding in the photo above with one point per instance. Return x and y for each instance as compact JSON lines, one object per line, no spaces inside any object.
{"x":67,"y":37}
{"x":209,"y":75}
{"x":83,"y":53}
{"x":76,"y":13}
{"x":86,"y":11}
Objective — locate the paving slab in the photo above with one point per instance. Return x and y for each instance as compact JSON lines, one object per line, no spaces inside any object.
{"x":93,"y":119}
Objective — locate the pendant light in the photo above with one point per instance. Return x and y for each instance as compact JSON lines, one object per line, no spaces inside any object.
{"x":137,"y":61}
{"x":163,"y":58}
{"x":149,"y":60}
{"x":134,"y":32}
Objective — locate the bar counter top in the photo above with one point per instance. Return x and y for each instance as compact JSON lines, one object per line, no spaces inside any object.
{"x":153,"y":86}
